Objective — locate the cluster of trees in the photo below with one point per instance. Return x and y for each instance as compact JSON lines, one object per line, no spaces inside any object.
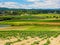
{"x":29,"y":11}
{"x":3,"y":18}
{"x":13,"y":12}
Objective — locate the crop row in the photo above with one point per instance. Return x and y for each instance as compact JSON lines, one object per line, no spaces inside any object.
{"x":24,"y":34}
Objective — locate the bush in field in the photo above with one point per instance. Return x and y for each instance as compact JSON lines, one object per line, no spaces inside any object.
{"x":57,"y":17}
{"x":47,"y":43}
{"x":8,"y":43}
{"x":54,"y":16}
{"x":12,"y":25}
{"x":36,"y":42}
{"x":24,"y":34}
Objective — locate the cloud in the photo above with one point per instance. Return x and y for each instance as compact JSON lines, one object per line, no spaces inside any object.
{"x":36,"y":4}
{"x":8,"y":4}
{"x":12,"y":5}
{"x":46,"y":4}
{"x":32,"y":0}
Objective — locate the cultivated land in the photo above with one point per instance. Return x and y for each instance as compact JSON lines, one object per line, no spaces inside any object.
{"x":39,"y":29}
{"x":29,"y":37}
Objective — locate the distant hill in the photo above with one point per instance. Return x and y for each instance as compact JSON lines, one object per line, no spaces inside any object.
{"x":31,"y":11}
{"x":3,"y":8}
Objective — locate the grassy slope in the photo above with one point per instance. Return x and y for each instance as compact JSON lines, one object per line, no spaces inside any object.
{"x":24,"y":34}
{"x":32,"y":30}
{"x":42,"y":20}
{"x":33,"y":25}
{"x":33,"y":18}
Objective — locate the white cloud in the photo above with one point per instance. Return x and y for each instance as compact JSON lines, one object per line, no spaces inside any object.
{"x":8,"y":4}
{"x":12,"y":5}
{"x":32,"y":0}
{"x":46,"y":4}
{"x":35,"y":4}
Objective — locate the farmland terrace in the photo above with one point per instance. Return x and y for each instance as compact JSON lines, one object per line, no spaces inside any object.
{"x":29,"y":27}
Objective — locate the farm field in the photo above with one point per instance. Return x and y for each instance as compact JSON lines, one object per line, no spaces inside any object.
{"x":29,"y":22}
{"x":40,"y":29}
{"x":29,"y":37}
{"x":35,"y":27}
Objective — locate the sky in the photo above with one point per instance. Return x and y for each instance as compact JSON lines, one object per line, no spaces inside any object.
{"x":30,"y":4}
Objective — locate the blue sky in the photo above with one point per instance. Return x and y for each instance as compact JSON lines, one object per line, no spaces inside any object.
{"x":30,"y":4}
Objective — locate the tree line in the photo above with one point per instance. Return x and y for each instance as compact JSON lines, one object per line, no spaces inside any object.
{"x":29,"y":11}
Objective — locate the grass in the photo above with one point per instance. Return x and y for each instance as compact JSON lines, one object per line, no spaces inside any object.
{"x":34,"y":20}
{"x":30,"y":27}
{"x":21,"y":29}
{"x":47,"y":15}
{"x":6,"y":35}
{"x":44,"y":28}
{"x":30,"y":17}
{"x":24,"y":34}
{"x":17,"y":22}
{"x":47,"y":43}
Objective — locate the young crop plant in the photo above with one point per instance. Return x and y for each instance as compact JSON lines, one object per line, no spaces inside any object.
{"x":47,"y":43}
{"x":8,"y":43}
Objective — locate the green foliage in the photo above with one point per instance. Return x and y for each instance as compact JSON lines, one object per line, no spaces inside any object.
{"x":24,"y":34}
{"x":36,"y":17}
{"x":47,"y":43}
{"x":36,"y":42}
{"x":8,"y":43}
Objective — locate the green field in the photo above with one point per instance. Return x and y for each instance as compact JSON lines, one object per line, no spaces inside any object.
{"x":41,"y":34}
{"x":31,"y":20}
{"x":23,"y":35}
{"x":37,"y":22}
{"x":43,"y":26}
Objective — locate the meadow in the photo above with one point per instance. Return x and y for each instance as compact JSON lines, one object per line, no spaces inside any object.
{"x":38,"y":29}
{"x":15,"y":37}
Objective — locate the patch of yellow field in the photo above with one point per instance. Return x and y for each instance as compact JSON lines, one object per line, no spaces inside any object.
{"x":39,"y":28}
{"x":14,"y":28}
{"x":49,"y":23}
